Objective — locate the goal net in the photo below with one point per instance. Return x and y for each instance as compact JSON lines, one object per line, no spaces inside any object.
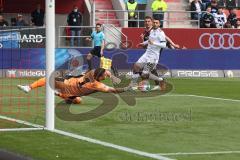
{"x":22,"y":59}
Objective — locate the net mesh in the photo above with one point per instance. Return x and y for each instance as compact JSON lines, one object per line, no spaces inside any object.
{"x":21,"y":64}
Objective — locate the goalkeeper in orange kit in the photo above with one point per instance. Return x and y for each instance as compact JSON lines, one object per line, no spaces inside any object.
{"x":72,"y":89}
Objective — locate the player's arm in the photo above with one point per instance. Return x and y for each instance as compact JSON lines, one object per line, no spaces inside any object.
{"x":90,"y":38}
{"x":101,"y":87}
{"x":119,"y":90}
{"x":172,"y":43}
{"x":114,"y":79}
{"x":103,"y":44}
{"x":102,"y":47}
{"x":161,"y":42}
{"x":144,"y":43}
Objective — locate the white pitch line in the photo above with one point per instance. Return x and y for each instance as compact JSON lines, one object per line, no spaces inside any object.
{"x":15,"y":97}
{"x":91,"y":140}
{"x":21,"y":122}
{"x":198,"y":153}
{"x":189,"y":95}
{"x":20,"y":129}
{"x":106,"y":144}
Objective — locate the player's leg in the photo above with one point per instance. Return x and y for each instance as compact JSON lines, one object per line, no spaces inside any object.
{"x":147,"y":74}
{"x":157,"y":83}
{"x":72,"y":38}
{"x":137,"y":68}
{"x":137,"y":71}
{"x":27,"y":88}
{"x":96,"y":51}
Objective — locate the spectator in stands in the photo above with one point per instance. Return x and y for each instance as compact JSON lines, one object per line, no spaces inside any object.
{"x":232,"y":17}
{"x":214,"y":6}
{"x":197,"y":7}
{"x":38,"y":16}
{"x":75,"y":19}
{"x":132,"y":15}
{"x":228,"y":25}
{"x":158,"y":9}
{"x":238,"y":24}
{"x":3,"y":23}
{"x":207,"y":19}
{"x":13,"y":21}
{"x":20,"y":21}
{"x":220,"y":18}
{"x":1,"y":10}
{"x":230,"y":4}
{"x":206,"y":3}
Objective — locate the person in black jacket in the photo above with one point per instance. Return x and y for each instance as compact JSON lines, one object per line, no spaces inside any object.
{"x":232,"y":17}
{"x":38,"y":16}
{"x":75,"y":20}
{"x":196,"y":6}
{"x":20,"y":22}
{"x":3,"y":23}
{"x":207,"y":19}
{"x":214,"y":6}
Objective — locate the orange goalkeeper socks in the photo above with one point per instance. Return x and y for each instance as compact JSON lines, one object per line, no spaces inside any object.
{"x":39,"y":83}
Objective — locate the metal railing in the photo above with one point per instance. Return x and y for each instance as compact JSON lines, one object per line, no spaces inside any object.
{"x":63,"y":40}
{"x":167,"y":20}
{"x":110,"y":28}
{"x":19,"y":28}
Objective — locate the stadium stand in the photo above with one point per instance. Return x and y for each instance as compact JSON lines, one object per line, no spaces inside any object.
{"x":106,"y":5}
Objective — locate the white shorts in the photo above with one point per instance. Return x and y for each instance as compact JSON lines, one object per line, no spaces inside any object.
{"x":148,"y":59}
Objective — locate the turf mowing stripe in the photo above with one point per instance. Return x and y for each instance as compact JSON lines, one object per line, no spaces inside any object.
{"x":199,"y":153}
{"x":106,"y":144}
{"x":20,"y":129}
{"x":189,"y":95}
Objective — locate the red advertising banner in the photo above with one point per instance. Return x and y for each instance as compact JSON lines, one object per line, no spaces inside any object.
{"x":193,"y":38}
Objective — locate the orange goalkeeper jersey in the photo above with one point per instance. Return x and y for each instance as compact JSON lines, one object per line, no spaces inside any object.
{"x":81,"y":86}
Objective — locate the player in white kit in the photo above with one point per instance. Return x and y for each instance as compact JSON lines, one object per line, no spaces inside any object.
{"x":149,"y":60}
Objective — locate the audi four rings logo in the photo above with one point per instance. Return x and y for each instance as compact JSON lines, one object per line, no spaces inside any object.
{"x":220,"y":41}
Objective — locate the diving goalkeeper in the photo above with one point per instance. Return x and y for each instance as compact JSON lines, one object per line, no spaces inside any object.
{"x":71,"y":90}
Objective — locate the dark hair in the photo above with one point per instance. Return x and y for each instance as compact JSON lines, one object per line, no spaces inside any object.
{"x":98,"y":73}
{"x":155,"y":19}
{"x":99,"y":24}
{"x":148,"y":17}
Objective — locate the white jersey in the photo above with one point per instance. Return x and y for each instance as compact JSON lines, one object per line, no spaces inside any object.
{"x":152,"y":53}
{"x":220,"y":19}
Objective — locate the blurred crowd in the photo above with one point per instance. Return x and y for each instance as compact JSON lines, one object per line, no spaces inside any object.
{"x":37,"y":18}
{"x":211,"y":14}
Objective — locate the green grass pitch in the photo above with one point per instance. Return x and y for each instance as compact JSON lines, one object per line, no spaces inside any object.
{"x":169,"y":123}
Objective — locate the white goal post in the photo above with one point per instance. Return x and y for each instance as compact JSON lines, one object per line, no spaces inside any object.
{"x":50,"y":63}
